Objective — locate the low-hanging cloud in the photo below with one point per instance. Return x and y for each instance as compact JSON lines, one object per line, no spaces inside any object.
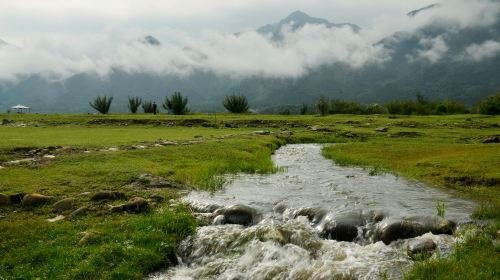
{"x":242,"y":55}
{"x":480,"y":52}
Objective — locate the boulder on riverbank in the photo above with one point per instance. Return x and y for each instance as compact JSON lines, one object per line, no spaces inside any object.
{"x":64,"y":204}
{"x":107,"y":195}
{"x":35,"y":199}
{"x":135,"y":204}
{"x":392,"y":229}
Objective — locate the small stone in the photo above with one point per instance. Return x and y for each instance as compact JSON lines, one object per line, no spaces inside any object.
{"x":19,"y":161}
{"x":113,"y":149}
{"x":49,"y":156}
{"x":35,"y":199}
{"x":55,"y":219}
{"x":78,"y":212}
{"x":262,"y":132}
{"x":84,"y":194}
{"x":157,"y":198}
{"x":1,"y":167}
{"x":64,"y":204}
{"x":135,"y":204}
{"x":139,"y":147}
{"x":382,"y":129}
{"x":492,"y":139}
{"x":421,"y":247}
{"x":87,"y":237}
{"x":4,"y":199}
{"x":107,"y":195}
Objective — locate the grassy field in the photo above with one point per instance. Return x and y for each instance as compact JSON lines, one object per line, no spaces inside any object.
{"x":445,"y":151}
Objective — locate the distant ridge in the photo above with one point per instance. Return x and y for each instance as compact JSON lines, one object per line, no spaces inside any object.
{"x":297,"y":20}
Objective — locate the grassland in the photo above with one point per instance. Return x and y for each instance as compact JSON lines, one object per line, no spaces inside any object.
{"x":445,"y":152}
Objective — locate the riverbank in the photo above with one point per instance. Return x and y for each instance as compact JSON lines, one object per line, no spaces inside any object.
{"x":77,"y":156}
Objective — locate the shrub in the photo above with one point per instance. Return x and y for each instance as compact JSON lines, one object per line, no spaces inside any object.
{"x":134,"y":103}
{"x":490,"y":105}
{"x":449,"y":107}
{"x":147,"y":106}
{"x":176,"y":104}
{"x":373,"y":109}
{"x":323,"y":105}
{"x":102,"y":104}
{"x":304,"y":108}
{"x":236,"y":103}
{"x":338,"y":106}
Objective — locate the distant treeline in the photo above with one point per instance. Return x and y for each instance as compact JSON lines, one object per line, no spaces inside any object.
{"x":420,"y":106}
{"x":177,"y":105}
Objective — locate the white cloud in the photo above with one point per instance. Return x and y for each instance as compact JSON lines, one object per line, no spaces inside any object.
{"x":433,"y":50}
{"x":479,"y":52}
{"x":62,"y":54}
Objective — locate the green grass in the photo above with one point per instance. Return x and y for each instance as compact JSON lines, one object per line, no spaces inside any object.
{"x":445,"y":152}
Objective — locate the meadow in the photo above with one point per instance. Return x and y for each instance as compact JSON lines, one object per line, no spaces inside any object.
{"x":76,"y":156}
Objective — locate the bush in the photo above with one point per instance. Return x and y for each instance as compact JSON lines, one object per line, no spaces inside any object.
{"x":236,"y":103}
{"x":373,"y":109}
{"x":102,"y":104}
{"x":304,"y":108}
{"x":449,"y":107}
{"x":134,"y":103}
{"x":490,"y":105}
{"x":176,"y":104}
{"x":323,"y":105}
{"x":346,"y":107}
{"x":148,"y":107}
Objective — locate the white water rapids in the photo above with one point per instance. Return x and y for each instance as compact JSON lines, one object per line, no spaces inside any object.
{"x":282,"y":245}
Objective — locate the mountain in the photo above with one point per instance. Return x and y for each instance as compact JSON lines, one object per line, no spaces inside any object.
{"x":431,"y":60}
{"x":297,"y":20}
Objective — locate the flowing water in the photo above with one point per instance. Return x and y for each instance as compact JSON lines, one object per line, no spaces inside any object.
{"x":281,"y":243}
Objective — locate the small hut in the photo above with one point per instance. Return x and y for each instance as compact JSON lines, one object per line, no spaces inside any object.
{"x":20,"y":108}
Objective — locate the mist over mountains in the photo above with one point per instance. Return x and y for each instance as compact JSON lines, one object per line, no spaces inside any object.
{"x":444,"y":51}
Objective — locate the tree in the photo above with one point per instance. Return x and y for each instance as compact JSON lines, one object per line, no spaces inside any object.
{"x":304,"y":108}
{"x":236,"y":103}
{"x":323,"y":105}
{"x":102,"y":104}
{"x":147,"y":106}
{"x":176,"y":104}
{"x":134,"y":103}
{"x":490,"y":105}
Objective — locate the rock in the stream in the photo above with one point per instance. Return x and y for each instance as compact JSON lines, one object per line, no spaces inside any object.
{"x":135,"y":204}
{"x":344,"y":227}
{"x":392,"y":229}
{"x":313,"y":214}
{"x":64,"y":204}
{"x":36,"y":199}
{"x":420,"y":247}
{"x":238,"y":214}
{"x":4,"y":199}
{"x":107,"y":195}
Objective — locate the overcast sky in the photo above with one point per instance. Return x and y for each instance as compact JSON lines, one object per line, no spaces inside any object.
{"x":60,"y":38}
{"x":28,"y":17}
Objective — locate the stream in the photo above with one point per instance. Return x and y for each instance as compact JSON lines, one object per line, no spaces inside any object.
{"x":315,"y":220}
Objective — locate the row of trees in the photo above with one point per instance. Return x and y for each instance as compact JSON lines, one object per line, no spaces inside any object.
{"x":177,"y":104}
{"x":420,"y":106}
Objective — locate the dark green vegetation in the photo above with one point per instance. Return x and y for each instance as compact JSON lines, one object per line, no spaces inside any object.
{"x":102,"y":104}
{"x":147,"y":107}
{"x":176,"y":104}
{"x":236,"y":104}
{"x":490,"y":105}
{"x":134,"y":103}
{"x":447,"y":151}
